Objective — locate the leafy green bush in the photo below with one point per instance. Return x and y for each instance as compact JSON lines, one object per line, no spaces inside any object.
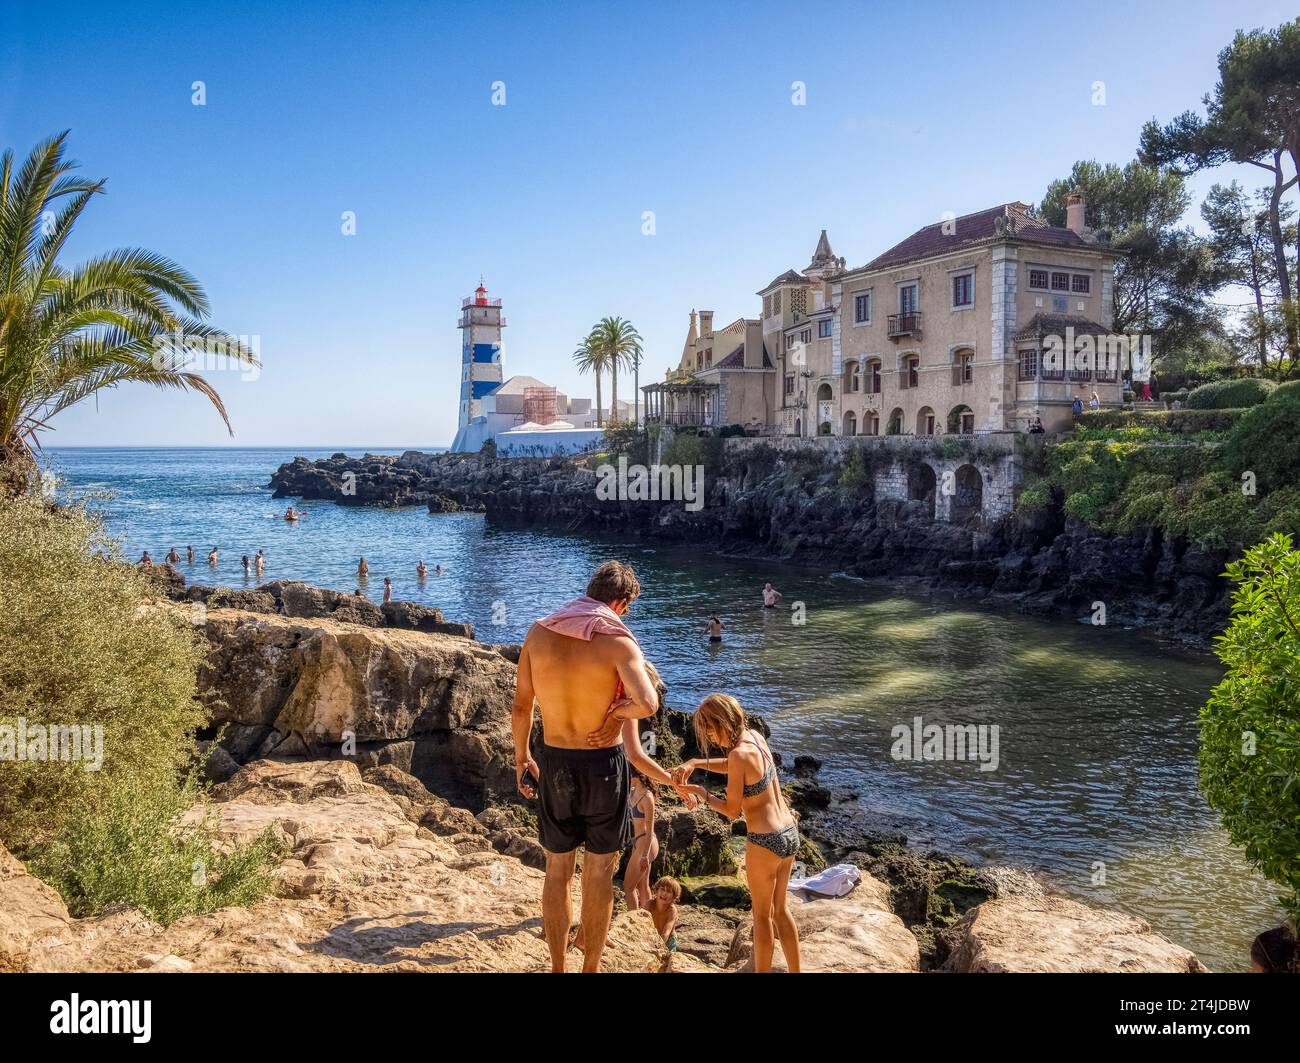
{"x":1288,"y":392}
{"x":81,"y":647}
{"x":1230,"y":394}
{"x":690,"y":449}
{"x":1250,"y":727}
{"x":1175,"y":396}
{"x":1266,"y":442}
{"x":1176,"y":422}
{"x":624,"y":439}
{"x":855,"y":473}
{"x":139,"y":851}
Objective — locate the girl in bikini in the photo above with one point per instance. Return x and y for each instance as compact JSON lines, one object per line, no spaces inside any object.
{"x":645,"y":846}
{"x":754,"y":793}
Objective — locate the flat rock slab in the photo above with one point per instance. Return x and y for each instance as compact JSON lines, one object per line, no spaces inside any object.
{"x":854,"y":933}
{"x":1022,"y":933}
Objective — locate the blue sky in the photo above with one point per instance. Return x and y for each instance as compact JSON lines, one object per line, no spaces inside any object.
{"x":385,"y":110}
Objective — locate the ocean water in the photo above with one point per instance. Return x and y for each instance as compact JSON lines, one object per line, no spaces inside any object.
{"x":1095,"y":783}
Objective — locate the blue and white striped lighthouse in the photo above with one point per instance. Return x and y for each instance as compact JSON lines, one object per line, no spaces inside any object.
{"x":480,"y":358}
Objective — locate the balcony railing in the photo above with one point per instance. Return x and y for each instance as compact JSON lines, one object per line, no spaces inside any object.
{"x":689,"y":419}
{"x":469,"y":300}
{"x":904,"y":324}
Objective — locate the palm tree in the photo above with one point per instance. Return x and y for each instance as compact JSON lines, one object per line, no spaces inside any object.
{"x":619,"y":342}
{"x":590,"y":358}
{"x":66,"y":333}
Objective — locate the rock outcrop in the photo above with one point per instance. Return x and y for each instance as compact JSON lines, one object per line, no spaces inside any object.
{"x":363,"y":888}
{"x":855,"y":933}
{"x":437,"y":706}
{"x":1025,"y":933}
{"x":794,"y":505}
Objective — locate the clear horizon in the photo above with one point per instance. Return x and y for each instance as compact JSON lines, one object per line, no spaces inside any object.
{"x":314,"y":110}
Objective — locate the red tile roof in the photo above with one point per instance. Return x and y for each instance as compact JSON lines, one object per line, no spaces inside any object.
{"x":1010,"y":220}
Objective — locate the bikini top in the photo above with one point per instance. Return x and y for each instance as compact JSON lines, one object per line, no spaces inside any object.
{"x":769,"y":773}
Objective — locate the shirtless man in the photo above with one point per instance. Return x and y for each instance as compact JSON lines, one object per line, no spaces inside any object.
{"x":771,"y":596}
{"x":572,"y":665}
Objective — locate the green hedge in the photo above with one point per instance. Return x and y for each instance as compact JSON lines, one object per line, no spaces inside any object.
{"x":1230,"y":394}
{"x":1179,"y":422}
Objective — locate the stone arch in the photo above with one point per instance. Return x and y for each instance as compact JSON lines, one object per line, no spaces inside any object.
{"x":961,"y":356}
{"x":852,"y":376}
{"x":968,"y":497}
{"x":921,"y":481}
{"x":961,"y":420}
{"x":850,"y":423}
{"x":871,"y":377}
{"x":871,"y":423}
{"x":894,"y":426}
{"x":825,"y":409}
{"x":798,"y":426}
{"x":927,"y":424}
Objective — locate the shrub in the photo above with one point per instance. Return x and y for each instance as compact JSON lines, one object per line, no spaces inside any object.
{"x":1230,"y":394}
{"x":1177,"y":422}
{"x":1175,"y":396}
{"x":624,"y":439}
{"x":728,"y":431}
{"x":855,"y":473}
{"x":1288,"y":392}
{"x":138,"y":851}
{"x":1250,"y":727}
{"x":80,"y":646}
{"x":1266,"y":441}
{"x":684,"y":449}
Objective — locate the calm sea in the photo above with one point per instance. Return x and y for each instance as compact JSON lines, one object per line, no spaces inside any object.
{"x":1095,"y":786}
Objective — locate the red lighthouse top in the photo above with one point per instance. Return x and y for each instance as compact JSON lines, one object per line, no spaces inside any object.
{"x":480,"y":295}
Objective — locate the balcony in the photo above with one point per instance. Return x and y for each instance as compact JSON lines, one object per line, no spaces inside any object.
{"x":901,"y":325}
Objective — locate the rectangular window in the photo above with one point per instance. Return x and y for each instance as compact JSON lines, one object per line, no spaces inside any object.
{"x":967,"y":369}
{"x":963,"y":290}
{"x":1029,"y":364}
{"x":823,"y":329}
{"x":1060,"y":282}
{"x":1038,"y":278}
{"x":913,"y":373}
{"x":862,"y":307}
{"x":907,"y":299}
{"x":789,"y":341}
{"x":789,"y":384}
{"x":874,"y":386}
{"x":1081,"y":283}
{"x":805,"y":336}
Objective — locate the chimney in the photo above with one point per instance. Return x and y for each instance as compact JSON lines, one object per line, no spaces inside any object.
{"x":1074,"y":211}
{"x":706,"y":323}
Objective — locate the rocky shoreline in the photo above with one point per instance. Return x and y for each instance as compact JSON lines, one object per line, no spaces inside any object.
{"x":380,"y":740}
{"x":803,"y":506}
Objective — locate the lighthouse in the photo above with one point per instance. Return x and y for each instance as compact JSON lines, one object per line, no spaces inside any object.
{"x":480,"y":353}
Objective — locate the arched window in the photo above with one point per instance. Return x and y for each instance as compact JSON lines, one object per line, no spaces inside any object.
{"x":798,"y":426}
{"x":909,"y":374}
{"x":852,"y":376}
{"x":873,"y":376}
{"x":963,"y":366}
{"x":961,"y":420}
{"x":870,"y":424}
{"x":925,"y":421}
{"x":895,"y":424}
{"x":850,"y":424}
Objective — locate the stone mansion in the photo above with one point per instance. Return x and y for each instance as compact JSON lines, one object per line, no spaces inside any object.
{"x":982,"y":323}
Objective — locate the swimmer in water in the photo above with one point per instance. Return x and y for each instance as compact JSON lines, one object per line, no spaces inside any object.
{"x":260,"y":562}
{"x":189,"y":554}
{"x":363,"y":569}
{"x":420,"y":570}
{"x":172,"y":556}
{"x":212,"y":557}
{"x":289,"y":514}
{"x":247,"y":565}
{"x":714,"y":627}
{"x":771,"y":596}
{"x":145,"y":560}
{"x":438,"y":570}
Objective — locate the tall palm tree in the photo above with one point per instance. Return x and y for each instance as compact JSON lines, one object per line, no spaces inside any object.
{"x":619,"y":342}
{"x":590,"y":358}
{"x":67,"y":332}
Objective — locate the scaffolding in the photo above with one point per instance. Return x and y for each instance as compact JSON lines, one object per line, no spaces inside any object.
{"x":539,"y":405}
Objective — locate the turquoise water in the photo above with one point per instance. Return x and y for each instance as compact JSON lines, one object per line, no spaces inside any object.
{"x":1097,"y":726}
